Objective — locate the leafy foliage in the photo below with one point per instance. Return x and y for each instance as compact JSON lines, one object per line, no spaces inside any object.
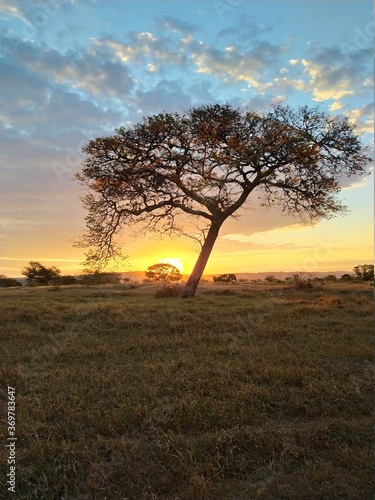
{"x":163,"y":272}
{"x":37,"y":274}
{"x":173,"y":170}
{"x":364,"y":271}
{"x":225,"y":278}
{"x":345,"y":277}
{"x":67,"y":279}
{"x":99,"y":278}
{"x":270,"y":278}
{"x":299,"y":282}
{"x":8,"y":282}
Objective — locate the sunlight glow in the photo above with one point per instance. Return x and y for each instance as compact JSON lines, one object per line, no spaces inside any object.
{"x":173,"y":262}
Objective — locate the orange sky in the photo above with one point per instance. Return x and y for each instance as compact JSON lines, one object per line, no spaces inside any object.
{"x":256,"y":242}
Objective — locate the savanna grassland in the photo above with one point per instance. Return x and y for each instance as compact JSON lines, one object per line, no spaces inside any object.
{"x":249,"y":391}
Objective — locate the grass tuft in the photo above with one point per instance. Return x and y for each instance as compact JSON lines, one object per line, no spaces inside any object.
{"x":169,"y":291}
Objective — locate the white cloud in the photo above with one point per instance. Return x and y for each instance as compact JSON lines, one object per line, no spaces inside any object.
{"x":336,"y":105}
{"x":363,"y":118}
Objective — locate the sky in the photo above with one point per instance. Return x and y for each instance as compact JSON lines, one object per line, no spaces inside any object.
{"x":74,"y":70}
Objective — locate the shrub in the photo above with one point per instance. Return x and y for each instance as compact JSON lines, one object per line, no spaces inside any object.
{"x":270,"y":278}
{"x":300,"y":283}
{"x":8,"y":282}
{"x":99,"y":278}
{"x":65,"y":280}
{"x":330,"y":277}
{"x":225,"y":278}
{"x":346,"y":277}
{"x":169,"y":291}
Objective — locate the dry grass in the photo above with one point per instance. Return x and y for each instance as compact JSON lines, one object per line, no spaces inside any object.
{"x":248,"y":392}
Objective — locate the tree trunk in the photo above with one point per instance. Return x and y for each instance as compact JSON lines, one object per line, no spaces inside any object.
{"x":204,"y":255}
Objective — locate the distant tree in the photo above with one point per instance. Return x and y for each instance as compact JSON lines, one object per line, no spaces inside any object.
{"x":172,"y":172}
{"x":163,"y":272}
{"x":330,"y":277}
{"x":270,"y":278}
{"x":299,"y":282}
{"x":66,"y":279}
{"x":225,"y":278}
{"x":364,"y":271}
{"x":37,"y":274}
{"x":345,"y":277}
{"x":8,"y":282}
{"x":95,"y":277}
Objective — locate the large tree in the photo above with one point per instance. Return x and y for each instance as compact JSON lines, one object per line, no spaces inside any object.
{"x":173,"y":170}
{"x":37,"y":274}
{"x":163,"y":272}
{"x":364,"y":271}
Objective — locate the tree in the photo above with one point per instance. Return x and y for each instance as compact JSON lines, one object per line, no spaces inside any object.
{"x":95,"y":277}
{"x":163,"y":272}
{"x":346,"y":277}
{"x":364,"y":271}
{"x":37,"y":274}
{"x":67,"y":279}
{"x":270,"y":278}
{"x":8,"y":282}
{"x":225,"y":278}
{"x":172,"y":171}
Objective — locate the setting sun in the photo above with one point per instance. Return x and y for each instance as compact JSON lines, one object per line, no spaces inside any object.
{"x":173,"y":262}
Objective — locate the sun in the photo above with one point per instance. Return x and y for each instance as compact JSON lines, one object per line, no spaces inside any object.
{"x":173,"y":262}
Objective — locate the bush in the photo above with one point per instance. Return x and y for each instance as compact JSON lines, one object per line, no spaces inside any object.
{"x":300,"y":283}
{"x":346,"y":277}
{"x":330,"y":277}
{"x":169,"y":291}
{"x":8,"y":282}
{"x":225,"y":278}
{"x":270,"y":278}
{"x":65,"y":280}
{"x":98,"y":278}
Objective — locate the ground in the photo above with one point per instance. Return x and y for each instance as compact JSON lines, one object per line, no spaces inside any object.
{"x":247,"y":391}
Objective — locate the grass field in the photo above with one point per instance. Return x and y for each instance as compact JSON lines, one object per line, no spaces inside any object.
{"x":250,"y":391}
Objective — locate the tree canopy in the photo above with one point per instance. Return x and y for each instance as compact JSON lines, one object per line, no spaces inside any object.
{"x":172,"y":170}
{"x":364,"y":271}
{"x":163,"y":272}
{"x":37,"y":274}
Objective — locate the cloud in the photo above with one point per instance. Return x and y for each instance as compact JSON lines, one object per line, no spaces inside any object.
{"x":330,"y":73}
{"x":244,"y":30}
{"x":168,"y":94}
{"x":175,"y":25}
{"x":230,"y":64}
{"x":363,"y":118}
{"x":144,"y":46}
{"x":54,"y":97}
{"x":88,"y":70}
